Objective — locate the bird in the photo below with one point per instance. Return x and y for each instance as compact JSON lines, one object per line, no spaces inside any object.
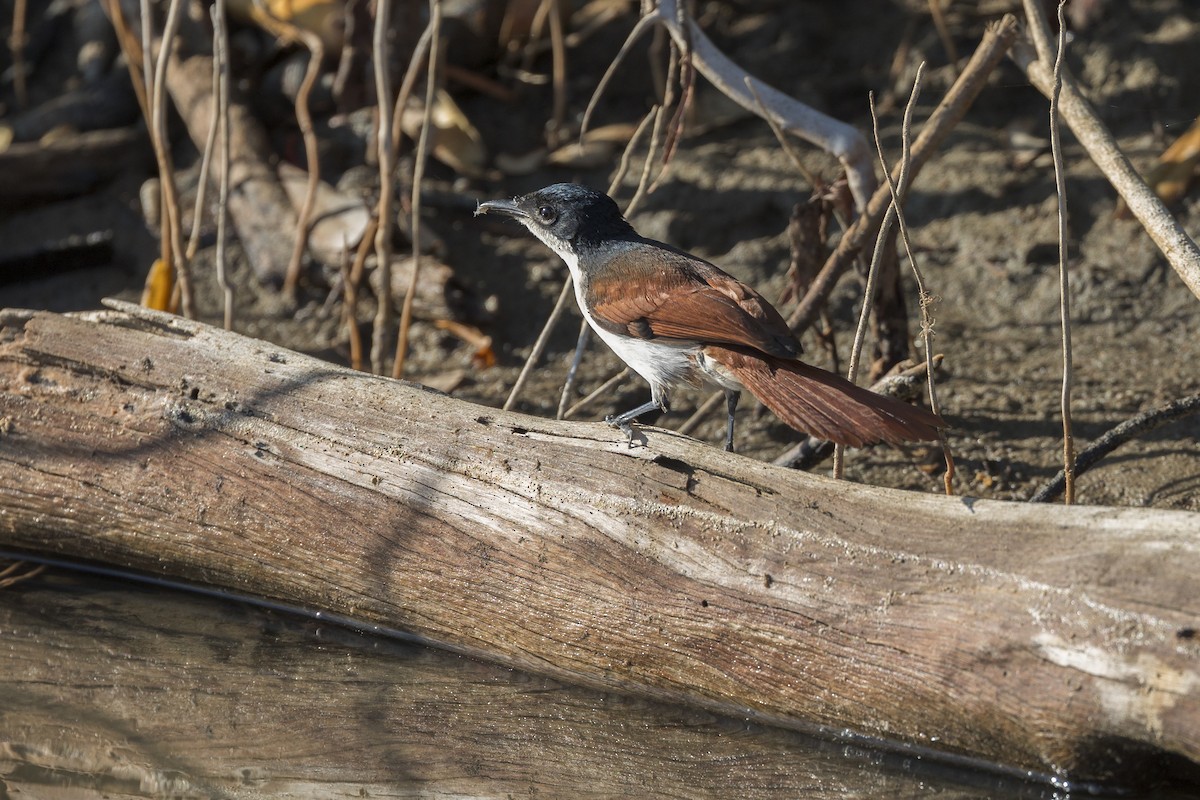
{"x":675,"y":318}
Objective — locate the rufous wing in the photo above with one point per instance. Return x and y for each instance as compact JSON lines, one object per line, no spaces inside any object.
{"x":658,"y":293}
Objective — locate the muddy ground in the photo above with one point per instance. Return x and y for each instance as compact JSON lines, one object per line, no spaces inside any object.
{"x":982,"y":217}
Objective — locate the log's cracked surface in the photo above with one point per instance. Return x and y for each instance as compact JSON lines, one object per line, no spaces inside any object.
{"x":1046,"y":639}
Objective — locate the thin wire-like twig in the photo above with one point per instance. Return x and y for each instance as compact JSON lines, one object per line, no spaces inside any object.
{"x":16,"y":45}
{"x":885,"y":231}
{"x":162,"y":153}
{"x":558,"y":54}
{"x":210,"y":146}
{"x":387,"y":160}
{"x":640,"y":28}
{"x":585,"y":334}
{"x":1064,"y":288}
{"x":539,"y":346}
{"x":221,"y":53}
{"x":950,"y":110}
{"x":1160,"y":224}
{"x":422,"y":156}
{"x":925,"y":299}
{"x":600,"y":390}
{"x":1128,"y":430}
{"x":316,"y":55}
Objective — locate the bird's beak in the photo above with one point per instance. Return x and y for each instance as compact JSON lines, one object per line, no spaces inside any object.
{"x":501,"y":206}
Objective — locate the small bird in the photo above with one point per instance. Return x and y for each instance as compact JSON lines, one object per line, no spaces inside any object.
{"x":675,"y":318}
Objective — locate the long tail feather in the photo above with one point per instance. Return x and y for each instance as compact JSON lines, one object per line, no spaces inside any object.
{"x":822,"y":404}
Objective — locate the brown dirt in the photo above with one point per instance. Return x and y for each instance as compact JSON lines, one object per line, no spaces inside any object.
{"x":982,"y":217}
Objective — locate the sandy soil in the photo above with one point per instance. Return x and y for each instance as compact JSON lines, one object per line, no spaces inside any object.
{"x":982,"y":217}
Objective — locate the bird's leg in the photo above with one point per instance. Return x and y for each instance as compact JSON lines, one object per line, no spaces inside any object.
{"x":731,"y":401}
{"x":623,"y":422}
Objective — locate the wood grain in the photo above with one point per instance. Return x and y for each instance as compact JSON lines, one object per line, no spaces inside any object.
{"x":1056,"y":640}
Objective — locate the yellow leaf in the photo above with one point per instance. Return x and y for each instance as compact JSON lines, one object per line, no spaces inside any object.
{"x":160,"y":281}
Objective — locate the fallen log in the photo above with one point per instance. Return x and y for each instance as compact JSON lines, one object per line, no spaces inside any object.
{"x":1059,"y":641}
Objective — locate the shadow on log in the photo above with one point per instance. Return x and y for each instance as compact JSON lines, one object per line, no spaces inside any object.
{"x":1060,"y":641}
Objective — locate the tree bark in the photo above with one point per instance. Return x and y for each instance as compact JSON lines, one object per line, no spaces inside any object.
{"x":1056,"y":640}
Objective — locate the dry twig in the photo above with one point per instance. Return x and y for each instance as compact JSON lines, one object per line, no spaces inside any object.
{"x":387,"y":160}
{"x":1064,"y":287}
{"x":885,"y":231}
{"x":155,"y":78}
{"x":422,"y":155}
{"x":1128,"y":430}
{"x":1176,"y":245}
{"x":316,"y":54}
{"x":221,"y":56}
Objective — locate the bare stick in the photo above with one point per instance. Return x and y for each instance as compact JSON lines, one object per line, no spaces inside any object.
{"x":162,"y":153}
{"x":581,"y":344}
{"x":316,"y":54}
{"x":885,"y":231}
{"x":925,"y":299}
{"x":602,"y":389}
{"x":210,"y":144}
{"x":423,"y":144}
{"x":641,"y":27}
{"x":558,"y":51}
{"x":540,"y":345}
{"x":950,"y":110}
{"x":836,"y":137}
{"x":387,"y":161}
{"x":16,"y":45}
{"x":939,"y":22}
{"x":221,"y":37}
{"x":1064,"y":287}
{"x":132,"y":51}
{"x":1129,"y":429}
{"x":1179,"y":249}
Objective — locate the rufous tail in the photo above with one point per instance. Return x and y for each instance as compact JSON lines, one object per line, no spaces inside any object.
{"x":825,"y":405}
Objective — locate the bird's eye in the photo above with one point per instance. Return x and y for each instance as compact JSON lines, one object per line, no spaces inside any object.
{"x":547,"y":215}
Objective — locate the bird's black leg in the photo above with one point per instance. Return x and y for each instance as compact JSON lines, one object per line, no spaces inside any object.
{"x":731,"y":401}
{"x":623,"y":422}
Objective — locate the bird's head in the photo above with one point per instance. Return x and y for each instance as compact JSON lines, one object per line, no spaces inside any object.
{"x":566,"y":216}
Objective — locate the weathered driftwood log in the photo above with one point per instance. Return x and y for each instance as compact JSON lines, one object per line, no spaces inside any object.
{"x":158,"y":694}
{"x":1057,"y":640}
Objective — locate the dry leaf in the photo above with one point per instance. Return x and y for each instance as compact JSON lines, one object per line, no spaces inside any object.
{"x":160,"y":282}
{"x":455,"y":141}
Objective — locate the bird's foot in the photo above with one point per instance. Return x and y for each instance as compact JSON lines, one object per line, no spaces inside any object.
{"x":625,"y":426}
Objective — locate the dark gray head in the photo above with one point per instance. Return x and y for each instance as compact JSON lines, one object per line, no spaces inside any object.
{"x":566,"y":216}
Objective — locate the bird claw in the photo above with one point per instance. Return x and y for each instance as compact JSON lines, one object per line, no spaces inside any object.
{"x":625,"y":427}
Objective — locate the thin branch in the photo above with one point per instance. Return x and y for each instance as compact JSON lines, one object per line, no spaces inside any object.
{"x":1064,"y":288}
{"x":387,"y":161}
{"x":885,"y":231}
{"x":834,"y":136}
{"x":925,"y":299}
{"x":16,"y":45}
{"x":558,"y":50}
{"x":1175,"y":244}
{"x":539,"y":346}
{"x":221,"y":53}
{"x":1128,"y":430}
{"x":316,"y":55}
{"x":585,"y":334}
{"x":422,"y":156}
{"x":162,"y":154}
{"x":641,"y":27}
{"x":600,"y":390}
{"x":996,"y":42}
